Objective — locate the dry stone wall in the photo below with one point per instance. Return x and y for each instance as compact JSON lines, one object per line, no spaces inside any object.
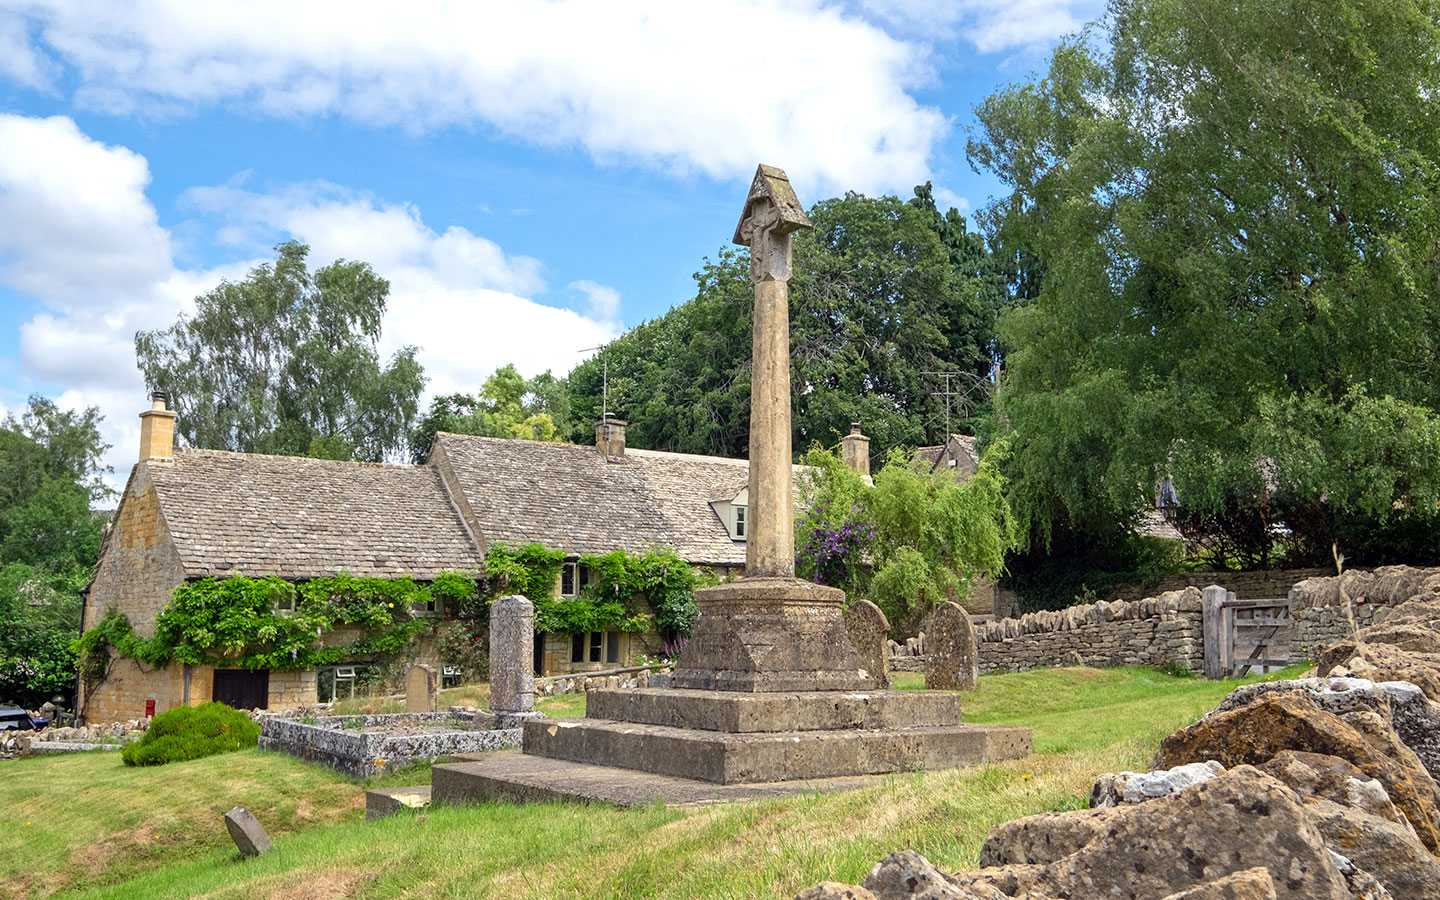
{"x":1154,"y":631}
{"x":1321,"y":608}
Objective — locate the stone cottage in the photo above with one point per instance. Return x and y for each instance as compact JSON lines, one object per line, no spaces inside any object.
{"x":192,"y":514}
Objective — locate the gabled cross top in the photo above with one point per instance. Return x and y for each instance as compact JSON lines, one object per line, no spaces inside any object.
{"x":772,"y":212}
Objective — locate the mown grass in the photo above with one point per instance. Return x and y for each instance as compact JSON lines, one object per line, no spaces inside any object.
{"x":1086,"y":722}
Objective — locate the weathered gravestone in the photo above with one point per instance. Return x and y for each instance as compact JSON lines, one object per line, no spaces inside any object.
{"x":422,"y":689}
{"x":512,"y":648}
{"x":250,"y":839}
{"x":953,"y":661}
{"x":870,"y":635}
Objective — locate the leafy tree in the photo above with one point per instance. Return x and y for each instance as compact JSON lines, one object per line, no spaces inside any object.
{"x":285,"y":361}
{"x":909,"y":541}
{"x":507,"y":406}
{"x":1228,"y":214}
{"x":41,"y":612}
{"x":884,"y":292}
{"x":71,"y":441}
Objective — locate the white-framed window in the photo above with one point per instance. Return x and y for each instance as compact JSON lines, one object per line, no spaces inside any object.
{"x":344,"y":682}
{"x":739,"y":522}
{"x":451,"y":676}
{"x":573,"y":578}
{"x":285,"y":605}
{"x":430,"y":607}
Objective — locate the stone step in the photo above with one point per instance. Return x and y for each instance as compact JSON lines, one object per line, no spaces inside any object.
{"x":512,"y":775}
{"x":728,"y":758}
{"x":735,"y":712}
{"x":384,"y":802}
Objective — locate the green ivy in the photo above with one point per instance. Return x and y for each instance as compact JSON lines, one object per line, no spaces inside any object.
{"x":615,"y":596}
{"x":235,"y":622}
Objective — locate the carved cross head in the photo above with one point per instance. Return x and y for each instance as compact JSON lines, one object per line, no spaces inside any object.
{"x":772,"y":213}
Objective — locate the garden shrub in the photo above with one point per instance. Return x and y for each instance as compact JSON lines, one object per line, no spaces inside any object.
{"x":192,"y":732}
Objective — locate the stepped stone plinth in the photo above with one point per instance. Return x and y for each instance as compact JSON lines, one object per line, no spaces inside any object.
{"x":771,"y":634}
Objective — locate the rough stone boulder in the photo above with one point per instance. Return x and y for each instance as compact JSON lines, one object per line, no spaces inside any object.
{"x":1255,"y":734}
{"x":1414,"y":716}
{"x":832,"y":890}
{"x":1235,"y":822}
{"x":1384,"y":849}
{"x":1321,"y":777}
{"x":1251,"y":884}
{"x":1137,"y":787}
{"x":909,"y":876}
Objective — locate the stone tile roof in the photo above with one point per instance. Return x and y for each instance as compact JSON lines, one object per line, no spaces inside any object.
{"x":566,"y":496}
{"x":305,"y":518}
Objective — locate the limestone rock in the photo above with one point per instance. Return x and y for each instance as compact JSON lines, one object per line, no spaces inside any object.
{"x":250,"y":839}
{"x":869,"y":632}
{"x":1136,"y":787}
{"x":1388,"y":851}
{"x":1362,"y":885}
{"x":909,"y":876}
{"x":1254,"y":734}
{"x":1235,"y":822}
{"x":1251,"y":884}
{"x":1331,"y":778}
{"x":1415,"y":717}
{"x":952,"y":660}
{"x":831,"y":890}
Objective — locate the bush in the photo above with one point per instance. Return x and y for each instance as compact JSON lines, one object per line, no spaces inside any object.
{"x":192,"y":732}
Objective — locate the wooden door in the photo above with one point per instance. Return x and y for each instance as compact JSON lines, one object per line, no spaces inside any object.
{"x":242,"y":688}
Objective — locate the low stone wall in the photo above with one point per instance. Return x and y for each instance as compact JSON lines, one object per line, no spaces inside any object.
{"x":1152,"y":632}
{"x":366,"y":745}
{"x":578,"y":682}
{"x":1321,"y":610}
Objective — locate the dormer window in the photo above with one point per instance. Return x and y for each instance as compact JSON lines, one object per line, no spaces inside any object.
{"x":739,"y":522}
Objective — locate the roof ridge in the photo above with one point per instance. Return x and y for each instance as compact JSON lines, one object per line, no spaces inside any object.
{"x":239,"y":454}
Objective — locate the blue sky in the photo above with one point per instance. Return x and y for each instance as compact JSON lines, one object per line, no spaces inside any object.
{"x":533,"y":178}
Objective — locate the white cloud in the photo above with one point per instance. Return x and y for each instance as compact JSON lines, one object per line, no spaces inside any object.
{"x":18,"y":58}
{"x":710,"y":88}
{"x":89,"y":248}
{"x":604,"y":300}
{"x":993,"y":26}
{"x":946,"y":198}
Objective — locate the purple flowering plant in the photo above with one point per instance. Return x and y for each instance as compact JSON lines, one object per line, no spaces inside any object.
{"x":834,"y":549}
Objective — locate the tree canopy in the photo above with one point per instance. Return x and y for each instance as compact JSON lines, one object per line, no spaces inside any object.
{"x":885,"y":294}
{"x":508,"y":405}
{"x":286,"y":361}
{"x":910,"y":540}
{"x":50,"y":472}
{"x":1223,"y":220}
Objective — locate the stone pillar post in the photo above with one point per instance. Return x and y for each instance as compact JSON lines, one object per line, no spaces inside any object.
{"x":770,"y":545}
{"x":512,"y":645}
{"x":769,"y":631}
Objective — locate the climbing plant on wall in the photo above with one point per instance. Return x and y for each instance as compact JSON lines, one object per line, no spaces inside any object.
{"x":614,"y":597}
{"x":271,"y":623}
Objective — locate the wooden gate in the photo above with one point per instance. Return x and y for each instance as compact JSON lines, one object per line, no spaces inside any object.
{"x":1241,"y":635}
{"x":242,"y":688}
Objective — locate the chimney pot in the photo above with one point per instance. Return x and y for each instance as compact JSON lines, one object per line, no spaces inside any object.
{"x":855,"y":451}
{"x":610,"y":438}
{"x":157,"y":428}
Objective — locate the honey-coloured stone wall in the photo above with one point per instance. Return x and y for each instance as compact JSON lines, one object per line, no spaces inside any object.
{"x":1151,"y":632}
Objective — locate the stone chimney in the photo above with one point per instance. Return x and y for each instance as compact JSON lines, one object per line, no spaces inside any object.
{"x":157,"y":429}
{"x":610,"y":439}
{"x":855,"y":450}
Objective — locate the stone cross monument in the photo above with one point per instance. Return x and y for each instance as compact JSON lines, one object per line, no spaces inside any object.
{"x":769,"y":631}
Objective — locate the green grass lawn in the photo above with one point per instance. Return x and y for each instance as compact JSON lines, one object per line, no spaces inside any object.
{"x":91,"y":826}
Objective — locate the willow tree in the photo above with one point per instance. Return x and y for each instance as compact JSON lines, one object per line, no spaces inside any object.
{"x":286,"y":361}
{"x":1230,"y":216}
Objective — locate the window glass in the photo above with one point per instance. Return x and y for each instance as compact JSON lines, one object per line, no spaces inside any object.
{"x":612,"y":646}
{"x":595,"y":639}
{"x":567,"y":580}
{"x":739,"y":521}
{"x":577,"y":648}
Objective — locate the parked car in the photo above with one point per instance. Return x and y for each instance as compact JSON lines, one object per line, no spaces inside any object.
{"x":15,"y":718}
